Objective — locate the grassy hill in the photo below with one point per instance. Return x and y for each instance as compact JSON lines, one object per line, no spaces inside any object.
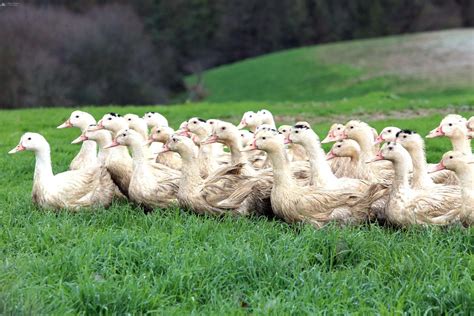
{"x":410,"y":65}
{"x":121,"y":261}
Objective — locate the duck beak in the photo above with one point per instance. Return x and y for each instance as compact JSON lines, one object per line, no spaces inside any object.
{"x":242,"y":124}
{"x":210,"y":140}
{"x":437,"y":167}
{"x":378,"y":157}
{"x":164,"y":149}
{"x":66,"y":124}
{"x":251,"y":146}
{"x":80,"y":139}
{"x":183,"y":132}
{"x":99,"y":126}
{"x":437,"y":132}
{"x":18,"y":148}
{"x":330,"y":155}
{"x":379,"y":140}
{"x":329,"y":139}
{"x":113,"y":144}
{"x":149,"y":141}
{"x":287,"y":140}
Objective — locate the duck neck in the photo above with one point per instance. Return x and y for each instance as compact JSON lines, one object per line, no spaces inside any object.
{"x":400,"y":180}
{"x":138,"y":153}
{"x":281,"y":168}
{"x":461,"y":143}
{"x":420,"y":170}
{"x":366,"y":144}
{"x":190,"y":173}
{"x":88,"y":148}
{"x":466,"y":177}
{"x":235,"y":151}
{"x":321,"y":173}
{"x":43,"y":169}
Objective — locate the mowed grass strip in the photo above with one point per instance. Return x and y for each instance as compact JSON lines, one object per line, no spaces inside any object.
{"x":171,"y":261}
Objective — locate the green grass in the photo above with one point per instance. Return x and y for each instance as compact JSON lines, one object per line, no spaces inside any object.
{"x":119,"y":260}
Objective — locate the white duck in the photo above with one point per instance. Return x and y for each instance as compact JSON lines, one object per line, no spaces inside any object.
{"x":154,"y":119}
{"x":266,"y":117}
{"x":73,"y":189}
{"x":251,"y":120}
{"x":117,"y":160}
{"x":296,"y":152}
{"x":295,"y":203}
{"x":463,"y":166}
{"x":415,"y":146}
{"x":406,"y":206}
{"x":161,"y":134}
{"x":388,"y":134}
{"x":150,"y":187}
{"x":456,"y":130}
{"x":87,"y":156}
{"x":138,"y":124}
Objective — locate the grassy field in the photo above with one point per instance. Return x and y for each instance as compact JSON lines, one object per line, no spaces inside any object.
{"x":173,"y":262}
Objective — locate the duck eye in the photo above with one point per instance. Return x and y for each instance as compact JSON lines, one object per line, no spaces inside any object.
{"x":389,"y":131}
{"x":195,"y":122}
{"x":390,"y":148}
{"x":158,"y":131}
{"x":129,"y":119}
{"x":110,"y":119}
{"x":284,"y":131}
{"x":450,"y":124}
{"x":124,"y":134}
{"x":352,"y":126}
{"x":264,"y":138}
{"x":296,"y":132}
{"x":338,"y":146}
{"x":250,"y":115}
{"x":338,"y":128}
{"x":77,"y":116}
{"x":404,"y":136}
{"x":450,"y":157}
{"x":242,"y":135}
{"x":149,"y":116}
{"x":29,"y":138}
{"x":223,"y":128}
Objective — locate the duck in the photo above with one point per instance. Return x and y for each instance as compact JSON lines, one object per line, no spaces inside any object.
{"x":72,"y":190}
{"x":406,"y":206}
{"x":456,"y":130}
{"x":339,"y":164}
{"x":463,"y":166}
{"x":321,"y":173}
{"x":470,"y":127}
{"x":210,"y":156}
{"x":210,"y":195}
{"x":87,"y":155}
{"x":295,"y":203}
{"x":138,"y":124}
{"x":266,"y":117}
{"x":363,"y":134}
{"x":161,"y":134}
{"x":150,"y":187}
{"x":388,"y":134}
{"x":154,"y":119}
{"x":295,"y":151}
{"x":415,"y":146}
{"x":117,"y":160}
{"x":250,"y":120}
{"x":113,"y":122}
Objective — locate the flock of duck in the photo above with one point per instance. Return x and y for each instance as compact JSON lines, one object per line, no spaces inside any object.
{"x":280,"y":172}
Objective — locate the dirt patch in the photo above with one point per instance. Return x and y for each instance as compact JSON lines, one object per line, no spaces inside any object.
{"x":444,"y":57}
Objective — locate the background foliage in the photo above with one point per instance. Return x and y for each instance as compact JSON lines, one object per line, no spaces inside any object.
{"x":114,"y":51}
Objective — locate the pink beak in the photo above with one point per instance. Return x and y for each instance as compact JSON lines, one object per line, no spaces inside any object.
{"x":113,"y":144}
{"x":210,"y":140}
{"x":251,"y":146}
{"x":79,"y":139}
{"x":242,"y":124}
{"x":99,"y":126}
{"x":330,"y":155}
{"x":436,"y":132}
{"x":438,"y":167}
{"x":330,"y":138}
{"x":379,"y":139}
{"x":378,"y":157}
{"x":18,"y":148}
{"x":164,"y":149}
{"x":287,"y":140}
{"x":66,"y":124}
